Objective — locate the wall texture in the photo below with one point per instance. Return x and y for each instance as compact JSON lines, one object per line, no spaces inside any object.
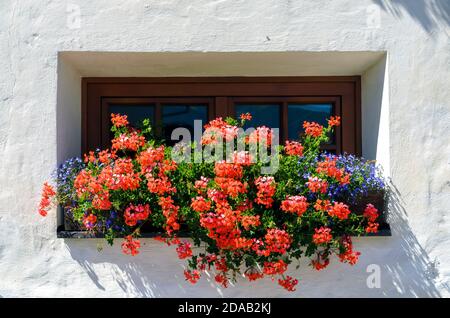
{"x":406,"y":115}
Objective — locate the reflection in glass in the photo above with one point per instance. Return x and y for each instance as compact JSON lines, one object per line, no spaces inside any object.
{"x":135,"y":113}
{"x":182,"y":115}
{"x":298,"y":113}
{"x":263,"y":114}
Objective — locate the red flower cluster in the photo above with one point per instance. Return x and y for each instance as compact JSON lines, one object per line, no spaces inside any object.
{"x":199,"y":204}
{"x":119,"y":120}
{"x":334,"y":121}
{"x":322,"y":235}
{"x":170,"y":212}
{"x":47,"y":193}
{"x":201,"y":185}
{"x":249,"y":221}
{"x":119,"y":175}
{"x":288,"y":283}
{"x":339,"y":210}
{"x":266,"y":190}
{"x":184,"y":250}
{"x":192,"y":276}
{"x":348,"y":256}
{"x":275,"y":241}
{"x":253,"y":274}
{"x":156,"y":169}
{"x":313,"y":129}
{"x":295,"y":204}
{"x":222,"y":280}
{"x":228,"y":177}
{"x":104,"y":156}
{"x":322,"y":205}
{"x":135,"y":213}
{"x":275,"y":268}
{"x":371,"y":213}
{"x":328,"y":168}
{"x":129,"y":141}
{"x":246,"y":116}
{"x":317,"y":185}
{"x":130,"y":246}
{"x":293,"y":148}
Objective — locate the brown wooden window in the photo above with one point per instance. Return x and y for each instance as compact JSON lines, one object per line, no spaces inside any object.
{"x":277,"y":102}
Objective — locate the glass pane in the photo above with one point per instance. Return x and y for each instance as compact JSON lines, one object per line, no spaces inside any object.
{"x":135,"y":113}
{"x":298,"y":113}
{"x":182,"y":115}
{"x":263,"y":114}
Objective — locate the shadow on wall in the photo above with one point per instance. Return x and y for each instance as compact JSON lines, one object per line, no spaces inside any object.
{"x":410,"y":271}
{"x":406,"y":270}
{"x":430,"y":14}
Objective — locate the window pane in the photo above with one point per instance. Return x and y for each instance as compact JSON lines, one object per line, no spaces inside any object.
{"x":263,"y":114}
{"x":135,"y":113}
{"x":182,"y":115}
{"x":298,"y":113}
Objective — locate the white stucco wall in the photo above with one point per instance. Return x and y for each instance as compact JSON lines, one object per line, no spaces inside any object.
{"x":406,"y":120}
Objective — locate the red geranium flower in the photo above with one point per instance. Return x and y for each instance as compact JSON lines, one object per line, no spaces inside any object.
{"x":322,"y":235}
{"x":130,"y":246}
{"x":288,"y":283}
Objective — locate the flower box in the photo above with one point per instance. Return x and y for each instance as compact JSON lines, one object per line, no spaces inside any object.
{"x":240,"y":209}
{"x":71,"y":230}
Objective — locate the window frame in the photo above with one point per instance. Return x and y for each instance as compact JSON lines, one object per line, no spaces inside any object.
{"x":344,"y":92}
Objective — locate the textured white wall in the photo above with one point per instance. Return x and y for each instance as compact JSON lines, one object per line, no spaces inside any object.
{"x":38,"y":96}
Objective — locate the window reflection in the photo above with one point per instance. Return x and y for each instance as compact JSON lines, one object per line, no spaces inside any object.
{"x":135,"y":113}
{"x":182,"y":115}
{"x":298,"y":113}
{"x":263,"y":114}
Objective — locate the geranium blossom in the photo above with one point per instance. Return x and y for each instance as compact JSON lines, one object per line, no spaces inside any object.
{"x":199,"y":204}
{"x":275,"y":268}
{"x":192,"y":276}
{"x":293,"y":148}
{"x":130,"y":141}
{"x":135,"y":213}
{"x":295,"y":204}
{"x":249,"y":221}
{"x":339,"y":210}
{"x":119,"y":120}
{"x":322,"y":235}
{"x":317,"y":185}
{"x":266,"y":190}
{"x":334,"y":121}
{"x":47,"y":193}
{"x":131,"y":246}
{"x":184,"y":250}
{"x":288,"y":283}
{"x":246,"y":116}
{"x":349,"y":255}
{"x":313,"y":129}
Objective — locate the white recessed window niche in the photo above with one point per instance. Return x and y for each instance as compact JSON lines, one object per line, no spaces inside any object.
{"x":368,"y":67}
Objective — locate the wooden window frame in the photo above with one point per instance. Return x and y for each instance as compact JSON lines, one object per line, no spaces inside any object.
{"x":220,"y":93}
